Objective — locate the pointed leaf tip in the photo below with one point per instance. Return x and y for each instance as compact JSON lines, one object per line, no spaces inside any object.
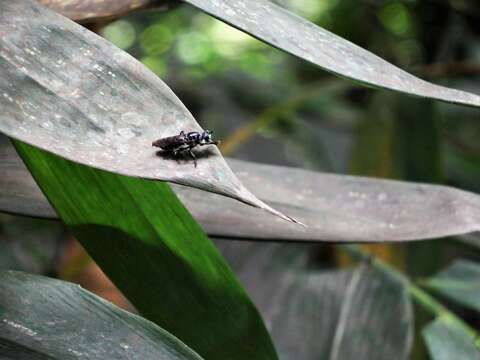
{"x":70,"y":92}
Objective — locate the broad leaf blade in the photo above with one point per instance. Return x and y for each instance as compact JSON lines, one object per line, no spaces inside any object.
{"x":70,"y":92}
{"x":336,"y":208}
{"x":339,"y":208}
{"x":19,"y":194}
{"x":42,"y":318}
{"x":460,"y":282}
{"x":276,"y":26}
{"x":472,"y":240}
{"x":448,"y":342}
{"x":149,"y":246}
{"x":313,"y":314}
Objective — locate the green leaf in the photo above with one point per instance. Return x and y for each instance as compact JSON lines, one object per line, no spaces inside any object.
{"x":150,"y":247}
{"x":357,"y":314}
{"x":459,"y":282}
{"x":446,"y":342}
{"x":42,"y":318}
{"x":282,"y":29}
{"x":68,"y":91}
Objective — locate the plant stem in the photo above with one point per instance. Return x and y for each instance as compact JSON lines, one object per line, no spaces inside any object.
{"x":423,"y":298}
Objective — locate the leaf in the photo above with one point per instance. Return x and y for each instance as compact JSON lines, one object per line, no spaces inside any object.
{"x":336,"y":208}
{"x":19,"y":194}
{"x":472,"y":240}
{"x":30,"y":245}
{"x":459,"y":282}
{"x":147,"y":243}
{"x":448,"y":342}
{"x":42,"y":318}
{"x":83,"y":10}
{"x":70,"y":92}
{"x":282,"y":29}
{"x":323,"y":314}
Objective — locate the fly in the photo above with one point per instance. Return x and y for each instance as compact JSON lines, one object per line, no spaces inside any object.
{"x":185,"y":142}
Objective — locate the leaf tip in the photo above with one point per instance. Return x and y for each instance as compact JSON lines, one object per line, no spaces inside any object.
{"x":282,"y":215}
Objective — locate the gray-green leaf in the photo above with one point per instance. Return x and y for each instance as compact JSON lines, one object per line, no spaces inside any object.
{"x":336,"y":208}
{"x":312,"y":314}
{"x":42,"y":318}
{"x":448,"y":342}
{"x":70,"y":92}
{"x":295,"y":35}
{"x":459,"y":282}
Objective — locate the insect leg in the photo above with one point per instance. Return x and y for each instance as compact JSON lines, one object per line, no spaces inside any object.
{"x":193,"y":156}
{"x":178,"y":149}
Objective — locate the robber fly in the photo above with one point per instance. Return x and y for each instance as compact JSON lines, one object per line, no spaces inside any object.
{"x":185,"y":142}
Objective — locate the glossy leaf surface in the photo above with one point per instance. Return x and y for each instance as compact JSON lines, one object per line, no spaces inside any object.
{"x":460,"y":282}
{"x":312,"y":314}
{"x":147,"y":243}
{"x":335,"y":208}
{"x":447,"y":342}
{"x":42,"y":318}
{"x":68,"y":91}
{"x":276,"y":26}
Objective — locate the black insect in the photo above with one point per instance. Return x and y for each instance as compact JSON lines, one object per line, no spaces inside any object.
{"x":185,"y":142}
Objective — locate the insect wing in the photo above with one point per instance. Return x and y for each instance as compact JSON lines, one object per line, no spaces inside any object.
{"x":169,"y":142}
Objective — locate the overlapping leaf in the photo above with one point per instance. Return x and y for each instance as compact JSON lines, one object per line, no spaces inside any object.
{"x":448,"y":342}
{"x":68,"y":91}
{"x":472,"y":240}
{"x":46,"y":319}
{"x":19,"y":192}
{"x":460,"y":282}
{"x":284,"y":30}
{"x":331,"y":314}
{"x":147,"y":243}
{"x":336,"y":208}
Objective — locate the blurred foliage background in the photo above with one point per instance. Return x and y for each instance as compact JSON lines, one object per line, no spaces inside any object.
{"x":270,"y":107}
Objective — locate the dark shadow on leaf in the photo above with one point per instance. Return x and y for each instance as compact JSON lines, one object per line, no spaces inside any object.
{"x":15,"y":350}
{"x":184,"y":157}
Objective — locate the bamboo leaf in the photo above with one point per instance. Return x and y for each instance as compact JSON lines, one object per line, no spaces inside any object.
{"x":282,"y":29}
{"x":149,"y":246}
{"x":70,"y":92}
{"x":336,"y":208}
{"x":448,"y":342}
{"x":356,"y":314}
{"x":19,"y":192}
{"x":42,"y":318}
{"x":459,"y":282}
